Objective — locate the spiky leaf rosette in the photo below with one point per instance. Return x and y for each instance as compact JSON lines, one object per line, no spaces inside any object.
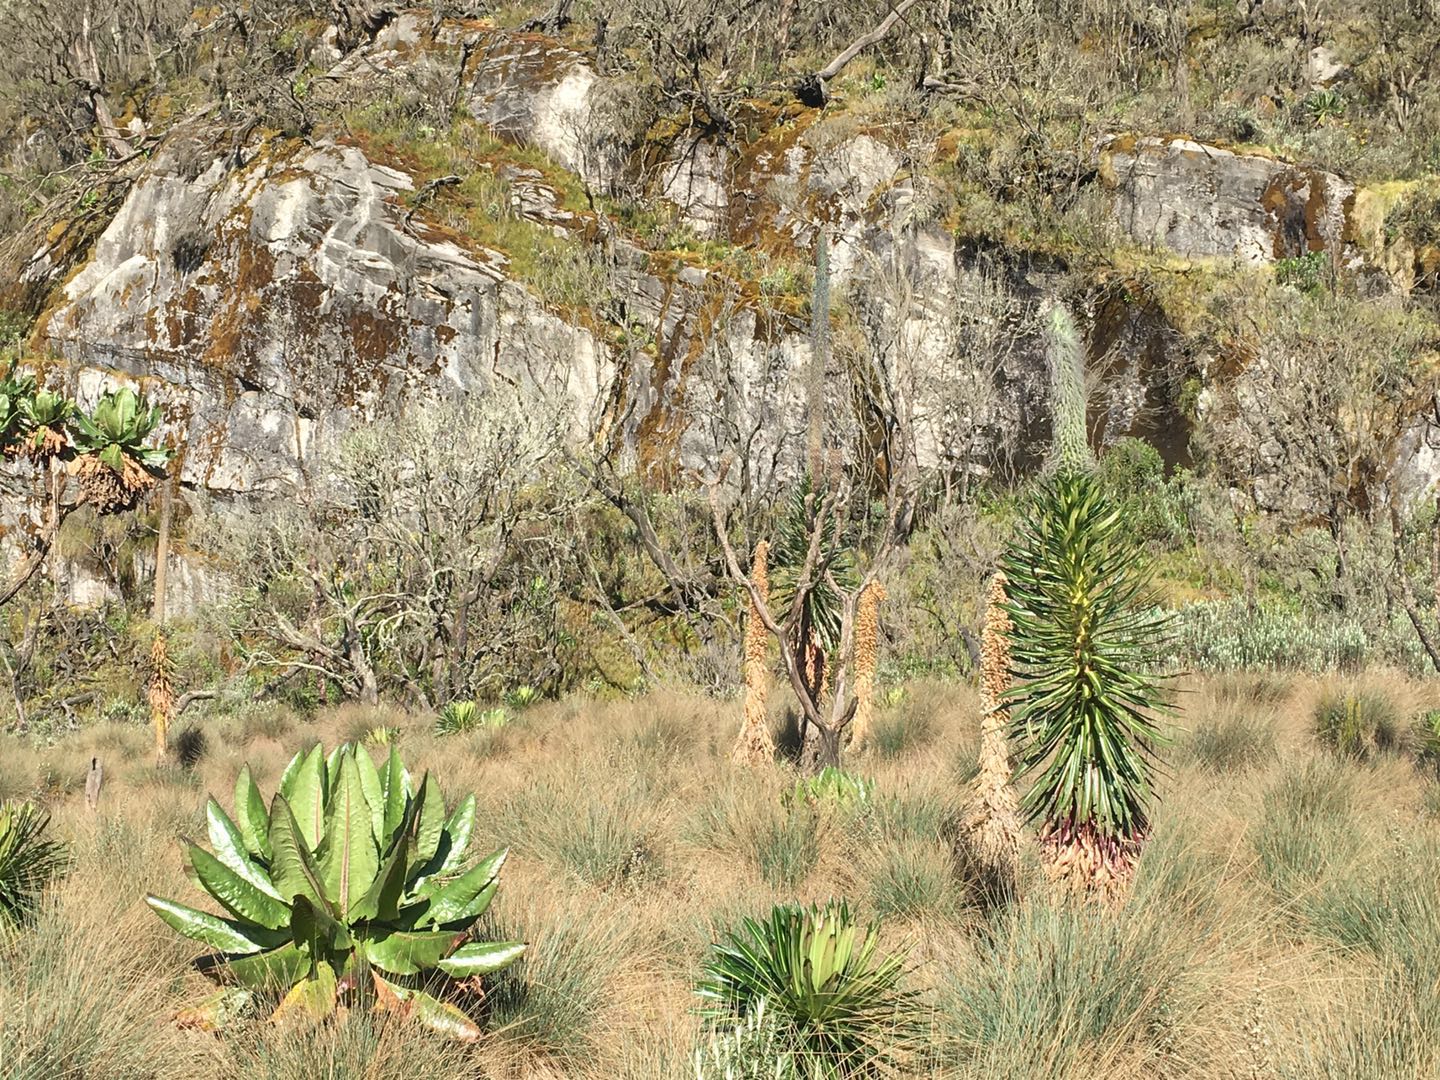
{"x":27,"y":860}
{"x":822,"y":604}
{"x":822,"y":977}
{"x":355,"y":883}
{"x":1084,"y":644}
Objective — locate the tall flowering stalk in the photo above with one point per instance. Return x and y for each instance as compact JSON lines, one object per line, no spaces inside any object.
{"x":867,"y":660}
{"x":755,"y":746}
{"x":1084,"y":648}
{"x":994,"y":823}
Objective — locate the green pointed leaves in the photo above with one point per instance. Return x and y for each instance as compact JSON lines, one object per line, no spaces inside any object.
{"x":293,"y":868}
{"x":481,"y":958}
{"x":351,"y":868}
{"x":401,"y":953}
{"x":250,"y":815}
{"x":465,"y":898}
{"x":351,"y":859}
{"x":304,"y":790}
{"x":220,"y":934}
{"x":396,"y":784}
{"x":273,"y":970}
{"x":238,"y":895}
{"x":232,"y":850}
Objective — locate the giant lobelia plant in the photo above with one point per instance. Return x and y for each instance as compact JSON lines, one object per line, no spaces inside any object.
{"x":115,"y":466}
{"x":354,"y":886}
{"x":1085,"y":644}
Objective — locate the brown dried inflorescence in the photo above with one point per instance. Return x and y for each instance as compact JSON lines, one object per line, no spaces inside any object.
{"x":994,"y":822}
{"x":755,"y":746}
{"x":867,"y":659}
{"x":110,"y":491}
{"x":161,"y":694}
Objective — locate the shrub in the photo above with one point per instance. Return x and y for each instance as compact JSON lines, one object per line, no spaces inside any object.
{"x":28,"y":860}
{"x":831,"y":992}
{"x":350,"y":870}
{"x":1357,"y":723}
{"x":1427,"y":740}
{"x":1231,"y":635}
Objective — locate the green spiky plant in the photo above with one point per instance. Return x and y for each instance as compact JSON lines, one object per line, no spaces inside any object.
{"x":353,"y":886}
{"x":820,"y":974}
{"x":28,"y":859}
{"x":816,"y":633}
{"x":1085,"y":643}
{"x":115,"y":465}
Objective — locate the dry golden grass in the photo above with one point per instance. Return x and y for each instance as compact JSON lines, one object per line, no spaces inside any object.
{"x":1261,"y":939}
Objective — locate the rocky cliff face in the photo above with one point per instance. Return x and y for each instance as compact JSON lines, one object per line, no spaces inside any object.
{"x":275,"y":294}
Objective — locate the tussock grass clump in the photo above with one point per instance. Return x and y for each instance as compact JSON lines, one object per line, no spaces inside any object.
{"x":1052,"y":988}
{"x":913,"y":879}
{"x":1358,"y":722}
{"x":1307,"y":824}
{"x":785,"y":845}
{"x":356,"y":1045}
{"x":1233,"y":742}
{"x":604,"y":836}
{"x":553,"y":1003}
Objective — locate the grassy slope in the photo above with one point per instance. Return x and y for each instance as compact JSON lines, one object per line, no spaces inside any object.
{"x":1243,"y":952}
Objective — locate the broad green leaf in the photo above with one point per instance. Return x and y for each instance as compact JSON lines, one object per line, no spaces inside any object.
{"x":250,"y":815}
{"x":222,"y":934}
{"x":428,"y":824}
{"x":451,"y":902}
{"x":397,"y":794}
{"x":292,"y":870}
{"x":307,"y":797}
{"x":404,"y":953}
{"x":459,"y":829}
{"x":385,"y":894}
{"x":374,"y":795}
{"x":274,"y":969}
{"x":287,"y":775}
{"x":312,"y":928}
{"x":239,"y":896}
{"x":311,"y":998}
{"x":351,"y":858}
{"x":230,"y":849}
{"x":481,"y":958}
